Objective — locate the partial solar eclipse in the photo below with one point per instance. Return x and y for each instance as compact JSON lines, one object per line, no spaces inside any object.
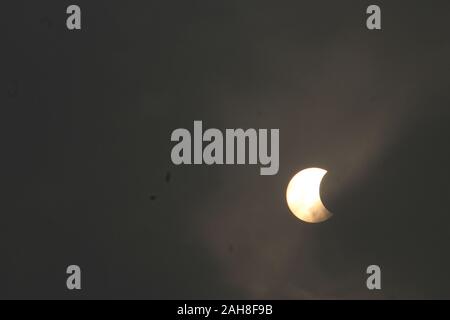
{"x":303,"y":196}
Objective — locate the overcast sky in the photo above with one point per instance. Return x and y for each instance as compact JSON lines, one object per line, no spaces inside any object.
{"x":87,"y":177}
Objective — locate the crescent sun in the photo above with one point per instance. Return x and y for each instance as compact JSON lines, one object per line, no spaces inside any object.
{"x":303,"y":196}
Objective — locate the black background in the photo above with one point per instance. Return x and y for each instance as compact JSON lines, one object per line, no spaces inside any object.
{"x":86,"y":175}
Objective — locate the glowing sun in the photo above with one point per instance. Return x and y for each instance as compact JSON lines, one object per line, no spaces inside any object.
{"x":303,"y":196}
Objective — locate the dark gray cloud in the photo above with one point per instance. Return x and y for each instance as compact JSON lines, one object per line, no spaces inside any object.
{"x":87,"y":177}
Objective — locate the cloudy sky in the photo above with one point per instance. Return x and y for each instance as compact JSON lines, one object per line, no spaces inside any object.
{"x":87,"y":178}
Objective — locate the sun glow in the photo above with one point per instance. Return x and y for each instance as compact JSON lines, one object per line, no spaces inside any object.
{"x":303,"y":196}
